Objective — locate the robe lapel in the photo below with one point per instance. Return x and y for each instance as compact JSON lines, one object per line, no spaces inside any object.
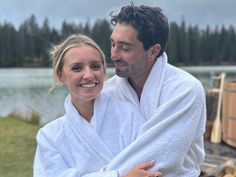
{"x":87,"y":133}
{"x":152,"y":88}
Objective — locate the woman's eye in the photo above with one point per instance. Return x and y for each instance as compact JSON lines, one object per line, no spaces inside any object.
{"x":96,"y":66}
{"x":76,"y":68}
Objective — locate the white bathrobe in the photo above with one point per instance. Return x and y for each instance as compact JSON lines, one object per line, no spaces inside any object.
{"x":72,"y":147}
{"x":173,"y":103}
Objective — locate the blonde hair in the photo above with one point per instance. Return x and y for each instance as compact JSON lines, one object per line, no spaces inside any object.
{"x":58,"y":53}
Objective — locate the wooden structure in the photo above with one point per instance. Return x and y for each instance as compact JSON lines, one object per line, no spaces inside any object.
{"x":229,"y":113}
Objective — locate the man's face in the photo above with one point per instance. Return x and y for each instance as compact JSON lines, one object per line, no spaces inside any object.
{"x":127,"y":52}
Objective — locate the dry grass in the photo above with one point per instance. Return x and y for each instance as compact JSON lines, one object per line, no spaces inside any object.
{"x":31,"y":117}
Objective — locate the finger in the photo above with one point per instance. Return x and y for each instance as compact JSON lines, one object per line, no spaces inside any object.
{"x":146,"y":165}
{"x":158,"y":174}
{"x":153,"y":173}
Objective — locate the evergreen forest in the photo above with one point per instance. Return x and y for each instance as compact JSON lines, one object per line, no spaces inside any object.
{"x":29,"y":45}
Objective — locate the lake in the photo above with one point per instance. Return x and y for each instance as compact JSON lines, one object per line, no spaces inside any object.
{"x":26,"y":90}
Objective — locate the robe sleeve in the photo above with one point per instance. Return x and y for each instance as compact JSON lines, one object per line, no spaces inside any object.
{"x":48,"y":162}
{"x":172,"y":137}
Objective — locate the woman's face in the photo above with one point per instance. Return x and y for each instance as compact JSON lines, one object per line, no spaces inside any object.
{"x":83,"y":73}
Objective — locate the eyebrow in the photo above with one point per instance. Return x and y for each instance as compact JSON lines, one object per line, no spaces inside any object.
{"x":123,"y":43}
{"x":92,"y":61}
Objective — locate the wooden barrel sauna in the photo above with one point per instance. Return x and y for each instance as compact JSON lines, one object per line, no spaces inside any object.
{"x":229,"y":113}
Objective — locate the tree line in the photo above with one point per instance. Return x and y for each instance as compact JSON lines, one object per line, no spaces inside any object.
{"x":29,"y":45}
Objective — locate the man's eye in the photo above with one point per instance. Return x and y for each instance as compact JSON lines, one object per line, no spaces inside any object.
{"x":125,"y":48}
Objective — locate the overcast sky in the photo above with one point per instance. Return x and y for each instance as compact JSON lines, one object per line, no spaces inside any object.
{"x":201,"y":12}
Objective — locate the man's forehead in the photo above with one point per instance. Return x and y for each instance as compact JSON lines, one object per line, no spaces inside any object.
{"x":124,"y":33}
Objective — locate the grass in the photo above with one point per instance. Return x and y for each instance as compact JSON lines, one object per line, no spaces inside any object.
{"x":32,"y":117}
{"x":17,"y":147}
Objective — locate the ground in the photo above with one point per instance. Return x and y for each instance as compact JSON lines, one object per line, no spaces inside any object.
{"x":216,"y":157}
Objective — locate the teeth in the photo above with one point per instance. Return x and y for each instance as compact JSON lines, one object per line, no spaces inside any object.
{"x":88,"y":85}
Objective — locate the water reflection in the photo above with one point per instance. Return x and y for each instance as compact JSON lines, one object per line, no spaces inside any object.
{"x":25,"y":91}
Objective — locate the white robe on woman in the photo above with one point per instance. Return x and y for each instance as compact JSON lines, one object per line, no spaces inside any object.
{"x":173,"y":103}
{"x":72,"y":147}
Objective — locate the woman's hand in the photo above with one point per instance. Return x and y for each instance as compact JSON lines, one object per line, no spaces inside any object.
{"x":141,"y":170}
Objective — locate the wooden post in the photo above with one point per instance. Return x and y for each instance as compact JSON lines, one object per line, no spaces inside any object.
{"x":211,"y":106}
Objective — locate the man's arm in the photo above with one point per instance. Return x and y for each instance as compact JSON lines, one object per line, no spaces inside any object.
{"x":168,"y":136}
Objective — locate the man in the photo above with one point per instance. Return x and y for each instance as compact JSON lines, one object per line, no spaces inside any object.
{"x":172,"y":100}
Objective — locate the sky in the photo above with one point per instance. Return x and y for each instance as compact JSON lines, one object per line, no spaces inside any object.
{"x":194,"y":12}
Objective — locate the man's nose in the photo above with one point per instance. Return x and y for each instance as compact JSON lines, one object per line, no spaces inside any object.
{"x":114,"y":53}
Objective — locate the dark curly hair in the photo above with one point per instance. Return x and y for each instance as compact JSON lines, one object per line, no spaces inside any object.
{"x":151,"y":24}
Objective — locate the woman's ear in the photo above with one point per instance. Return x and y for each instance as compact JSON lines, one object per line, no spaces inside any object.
{"x":154,"y":51}
{"x":60,"y":76}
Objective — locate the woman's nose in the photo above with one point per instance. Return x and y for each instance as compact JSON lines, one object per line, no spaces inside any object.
{"x":88,"y":74}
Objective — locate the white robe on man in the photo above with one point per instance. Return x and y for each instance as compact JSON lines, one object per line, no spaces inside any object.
{"x":173,"y":103}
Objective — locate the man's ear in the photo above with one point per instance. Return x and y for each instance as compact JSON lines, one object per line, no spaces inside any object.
{"x":154,"y":51}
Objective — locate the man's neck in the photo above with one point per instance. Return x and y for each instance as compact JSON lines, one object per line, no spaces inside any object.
{"x":138,"y":82}
{"x":137,"y":85}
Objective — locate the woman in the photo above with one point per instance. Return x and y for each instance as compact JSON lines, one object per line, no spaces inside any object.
{"x":95,"y":127}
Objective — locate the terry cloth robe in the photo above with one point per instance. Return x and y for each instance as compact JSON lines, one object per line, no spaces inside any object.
{"x":173,"y":103}
{"x":71,"y":147}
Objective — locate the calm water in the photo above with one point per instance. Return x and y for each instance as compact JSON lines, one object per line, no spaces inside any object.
{"x":27,"y":90}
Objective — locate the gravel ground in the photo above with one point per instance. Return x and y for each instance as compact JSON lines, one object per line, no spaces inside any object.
{"x":217,"y":155}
